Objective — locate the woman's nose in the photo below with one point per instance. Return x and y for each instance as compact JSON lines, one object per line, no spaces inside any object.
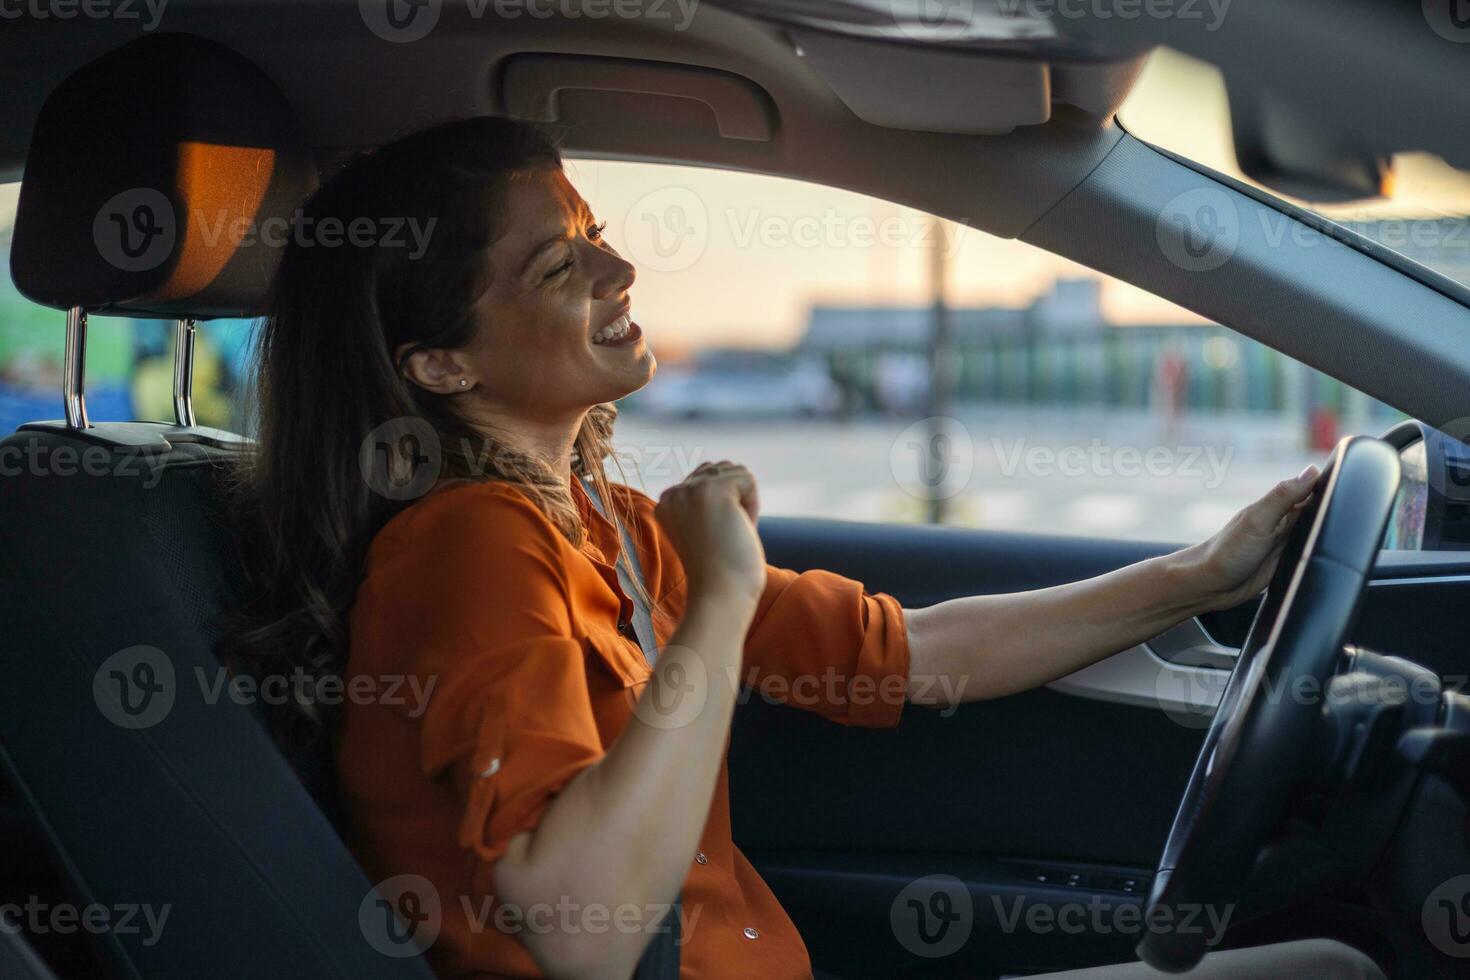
{"x":617,"y":277}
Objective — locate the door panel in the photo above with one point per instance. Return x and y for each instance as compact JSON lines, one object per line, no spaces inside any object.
{"x":840,"y":820}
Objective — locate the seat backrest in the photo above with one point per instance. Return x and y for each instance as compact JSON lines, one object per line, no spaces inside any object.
{"x":159,"y":791}
{"x":156,"y":787}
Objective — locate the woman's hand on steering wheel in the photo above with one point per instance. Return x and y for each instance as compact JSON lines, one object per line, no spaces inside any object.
{"x":1237,"y":563}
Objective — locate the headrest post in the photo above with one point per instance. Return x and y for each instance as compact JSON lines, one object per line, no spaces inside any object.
{"x":184,"y":372}
{"x":74,"y":370}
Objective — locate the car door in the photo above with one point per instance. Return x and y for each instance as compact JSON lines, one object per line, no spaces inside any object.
{"x":1037,"y":801}
{"x":1014,"y":834}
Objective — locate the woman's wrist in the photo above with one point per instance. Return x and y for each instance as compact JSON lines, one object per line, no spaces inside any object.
{"x":1189,"y":582}
{"x":721,"y":600}
{"x":739,"y":591}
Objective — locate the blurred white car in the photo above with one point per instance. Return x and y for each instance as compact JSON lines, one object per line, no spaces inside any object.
{"x":741,"y":383}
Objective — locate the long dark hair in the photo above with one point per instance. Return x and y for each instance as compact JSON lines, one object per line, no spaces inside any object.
{"x":341,"y":433}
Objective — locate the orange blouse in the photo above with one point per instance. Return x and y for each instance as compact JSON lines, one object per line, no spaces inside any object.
{"x":473,"y":591}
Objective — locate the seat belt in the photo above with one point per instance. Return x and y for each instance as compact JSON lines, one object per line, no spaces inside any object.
{"x":660,"y":960}
{"x":627,"y":571}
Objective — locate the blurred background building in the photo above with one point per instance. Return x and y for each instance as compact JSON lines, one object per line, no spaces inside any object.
{"x":1060,"y":350}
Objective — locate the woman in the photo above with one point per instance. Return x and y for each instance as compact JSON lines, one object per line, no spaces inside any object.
{"x":426,"y":425}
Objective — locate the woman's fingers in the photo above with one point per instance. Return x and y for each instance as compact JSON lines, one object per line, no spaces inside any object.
{"x":702,"y":472}
{"x":741,"y":479}
{"x":1293,"y":515}
{"x":713,"y":543}
{"x":749,"y":497}
{"x":1272,"y":513}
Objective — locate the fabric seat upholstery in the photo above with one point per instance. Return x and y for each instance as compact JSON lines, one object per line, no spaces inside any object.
{"x":198,"y":812}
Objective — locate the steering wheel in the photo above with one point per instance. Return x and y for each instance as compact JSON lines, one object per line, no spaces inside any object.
{"x":1256,"y":748}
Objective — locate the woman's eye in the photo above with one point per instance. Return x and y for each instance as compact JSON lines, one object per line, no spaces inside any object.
{"x":558,"y":270}
{"x":595,"y":232}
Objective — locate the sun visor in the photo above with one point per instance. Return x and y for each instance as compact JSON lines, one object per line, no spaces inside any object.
{"x":161,"y":180}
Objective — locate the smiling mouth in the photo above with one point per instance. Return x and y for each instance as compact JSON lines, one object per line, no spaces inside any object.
{"x":621,"y":331}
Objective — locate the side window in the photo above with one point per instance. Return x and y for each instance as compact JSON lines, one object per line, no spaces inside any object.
{"x":129,"y":362}
{"x":794,"y":327}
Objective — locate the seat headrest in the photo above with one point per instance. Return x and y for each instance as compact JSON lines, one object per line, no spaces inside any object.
{"x":160,"y":181}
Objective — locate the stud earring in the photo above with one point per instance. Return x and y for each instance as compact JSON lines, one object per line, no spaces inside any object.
{"x":463,"y":382}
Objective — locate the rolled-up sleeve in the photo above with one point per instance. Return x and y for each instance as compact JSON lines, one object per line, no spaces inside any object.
{"x":820,"y":641}
{"x":510,"y":722}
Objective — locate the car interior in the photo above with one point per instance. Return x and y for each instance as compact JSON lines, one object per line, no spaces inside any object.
{"x":1160,"y":779}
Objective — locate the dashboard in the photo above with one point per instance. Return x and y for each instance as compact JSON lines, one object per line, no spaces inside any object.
{"x":1432,"y":509}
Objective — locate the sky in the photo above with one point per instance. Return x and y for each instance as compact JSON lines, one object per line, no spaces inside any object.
{"x":739,"y":259}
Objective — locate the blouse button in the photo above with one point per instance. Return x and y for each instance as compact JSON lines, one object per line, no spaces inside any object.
{"x":750,"y":933}
{"x":699,"y":858}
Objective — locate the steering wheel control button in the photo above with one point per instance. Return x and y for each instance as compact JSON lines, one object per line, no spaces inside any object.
{"x":699,"y":858}
{"x":750,"y":933}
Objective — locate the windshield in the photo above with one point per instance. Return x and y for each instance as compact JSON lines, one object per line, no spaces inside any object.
{"x":1179,"y":104}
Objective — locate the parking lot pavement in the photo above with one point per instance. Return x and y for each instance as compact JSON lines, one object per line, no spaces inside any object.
{"x":1049,"y":471}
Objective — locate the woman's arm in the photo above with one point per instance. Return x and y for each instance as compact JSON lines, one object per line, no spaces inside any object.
{"x":624,"y":831}
{"x":992,"y":645}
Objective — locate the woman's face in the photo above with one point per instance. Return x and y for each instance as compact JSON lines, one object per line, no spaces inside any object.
{"x":554,"y":285}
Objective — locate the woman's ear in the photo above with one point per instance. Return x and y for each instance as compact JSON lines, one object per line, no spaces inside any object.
{"x":434,"y":370}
